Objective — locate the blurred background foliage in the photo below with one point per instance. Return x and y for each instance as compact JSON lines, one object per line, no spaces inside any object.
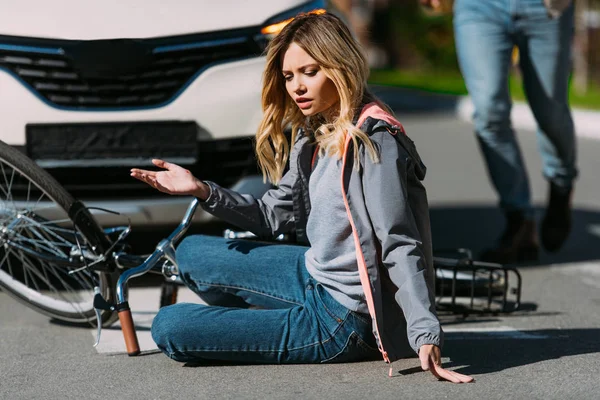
{"x":411,"y":46}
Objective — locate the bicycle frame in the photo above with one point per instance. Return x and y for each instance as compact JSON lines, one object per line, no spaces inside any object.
{"x":162,"y":258}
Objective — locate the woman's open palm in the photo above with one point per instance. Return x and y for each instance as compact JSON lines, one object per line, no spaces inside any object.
{"x":174,"y":180}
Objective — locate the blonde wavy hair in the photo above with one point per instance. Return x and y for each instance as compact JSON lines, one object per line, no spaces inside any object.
{"x":327,"y":40}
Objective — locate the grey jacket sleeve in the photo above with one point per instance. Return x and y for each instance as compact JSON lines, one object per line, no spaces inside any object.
{"x":397,"y":205}
{"x":269,"y":216}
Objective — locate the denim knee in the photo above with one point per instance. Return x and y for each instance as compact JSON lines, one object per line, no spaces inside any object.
{"x":191,"y":256}
{"x":184,"y":254}
{"x":492,"y":121}
{"x":162,"y":328}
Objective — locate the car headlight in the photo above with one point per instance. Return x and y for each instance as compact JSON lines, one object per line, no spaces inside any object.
{"x":274,"y":25}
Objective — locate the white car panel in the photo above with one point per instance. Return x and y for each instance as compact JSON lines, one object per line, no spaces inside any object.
{"x":224,"y":100}
{"x":108,"y":19}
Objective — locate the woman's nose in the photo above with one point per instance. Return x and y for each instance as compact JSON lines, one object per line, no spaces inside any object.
{"x":299,"y":87}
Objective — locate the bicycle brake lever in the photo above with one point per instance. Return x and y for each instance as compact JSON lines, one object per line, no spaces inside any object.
{"x":99,"y":326}
{"x":100,"y":304}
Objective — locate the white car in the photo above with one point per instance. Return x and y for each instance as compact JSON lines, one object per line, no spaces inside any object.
{"x":89,"y":89}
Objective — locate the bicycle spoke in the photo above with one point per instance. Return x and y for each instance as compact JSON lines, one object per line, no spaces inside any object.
{"x":82,"y":277}
{"x":32,"y":277}
{"x":48,"y":240}
{"x":28,"y":191}
{"x":24,"y":273}
{"x":37,"y":202}
{"x":5,"y":257}
{"x":27,"y":273}
{"x":51,"y":229}
{"x":2,"y":186}
{"x":65,"y":286}
{"x":10,"y":270}
{"x":41,"y":237}
{"x":40,"y":244}
{"x":46,"y":233}
{"x":53,"y":222}
{"x":5,"y":194}
{"x":12,"y":178}
{"x":9,"y":196}
{"x":30,"y":268}
{"x":46,"y":274}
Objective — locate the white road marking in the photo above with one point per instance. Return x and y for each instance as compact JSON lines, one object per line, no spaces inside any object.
{"x":487,"y":333}
{"x":144,"y":304}
{"x":594,"y":230}
{"x":586,"y":272}
{"x":522,"y":118}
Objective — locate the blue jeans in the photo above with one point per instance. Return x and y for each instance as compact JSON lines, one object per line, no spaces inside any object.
{"x":294,"y":319}
{"x":485,"y":33}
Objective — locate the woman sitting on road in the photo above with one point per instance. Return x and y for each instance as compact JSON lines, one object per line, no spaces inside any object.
{"x":353,"y":192}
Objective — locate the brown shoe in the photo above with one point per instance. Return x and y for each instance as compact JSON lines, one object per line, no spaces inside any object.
{"x":519,"y":242}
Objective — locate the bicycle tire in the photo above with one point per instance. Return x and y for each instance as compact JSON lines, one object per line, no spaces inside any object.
{"x":44,"y":218}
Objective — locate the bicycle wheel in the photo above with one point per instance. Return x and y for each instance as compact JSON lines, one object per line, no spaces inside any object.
{"x":44,"y":234}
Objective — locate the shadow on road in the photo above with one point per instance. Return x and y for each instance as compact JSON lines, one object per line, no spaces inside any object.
{"x":478,"y":227}
{"x":475,"y":355}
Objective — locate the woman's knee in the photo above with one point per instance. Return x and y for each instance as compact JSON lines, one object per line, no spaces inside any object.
{"x":194,"y":253}
{"x":163,"y":325}
{"x":173,"y":333}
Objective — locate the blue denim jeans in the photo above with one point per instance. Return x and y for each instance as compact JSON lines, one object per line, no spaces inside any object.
{"x":485,"y":33}
{"x":293,"y":318}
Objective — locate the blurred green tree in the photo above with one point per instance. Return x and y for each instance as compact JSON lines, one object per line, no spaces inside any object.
{"x":413,"y":38}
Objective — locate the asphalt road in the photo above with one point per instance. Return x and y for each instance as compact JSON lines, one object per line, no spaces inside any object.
{"x":549,"y":350}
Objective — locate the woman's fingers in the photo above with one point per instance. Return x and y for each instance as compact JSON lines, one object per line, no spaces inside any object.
{"x":443,"y":374}
{"x":148,"y":177}
{"x":142,"y":174}
{"x":429,"y":354}
{"x":166,"y":165}
{"x":425,"y":360}
{"x":431,"y":360}
{"x":455,"y":377}
{"x":159,"y":163}
{"x":142,"y":171}
{"x":462,"y":377}
{"x":157,"y":185}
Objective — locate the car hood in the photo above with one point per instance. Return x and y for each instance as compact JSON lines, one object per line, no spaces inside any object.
{"x":110,"y":19}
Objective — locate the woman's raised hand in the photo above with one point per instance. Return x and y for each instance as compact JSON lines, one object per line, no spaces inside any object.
{"x":431,"y":360}
{"x":175,"y":180}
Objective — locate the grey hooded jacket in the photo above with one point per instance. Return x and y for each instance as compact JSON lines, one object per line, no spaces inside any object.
{"x":387,"y":204}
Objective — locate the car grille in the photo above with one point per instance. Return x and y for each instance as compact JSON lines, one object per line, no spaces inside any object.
{"x":222,"y":161}
{"x":121,"y":73}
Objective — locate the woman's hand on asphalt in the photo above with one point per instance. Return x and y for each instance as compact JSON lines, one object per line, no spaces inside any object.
{"x":175,"y":180}
{"x":431,"y":360}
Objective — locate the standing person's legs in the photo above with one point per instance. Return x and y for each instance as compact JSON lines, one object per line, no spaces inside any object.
{"x":484,"y":42}
{"x":302,"y":322}
{"x":545,"y":45}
